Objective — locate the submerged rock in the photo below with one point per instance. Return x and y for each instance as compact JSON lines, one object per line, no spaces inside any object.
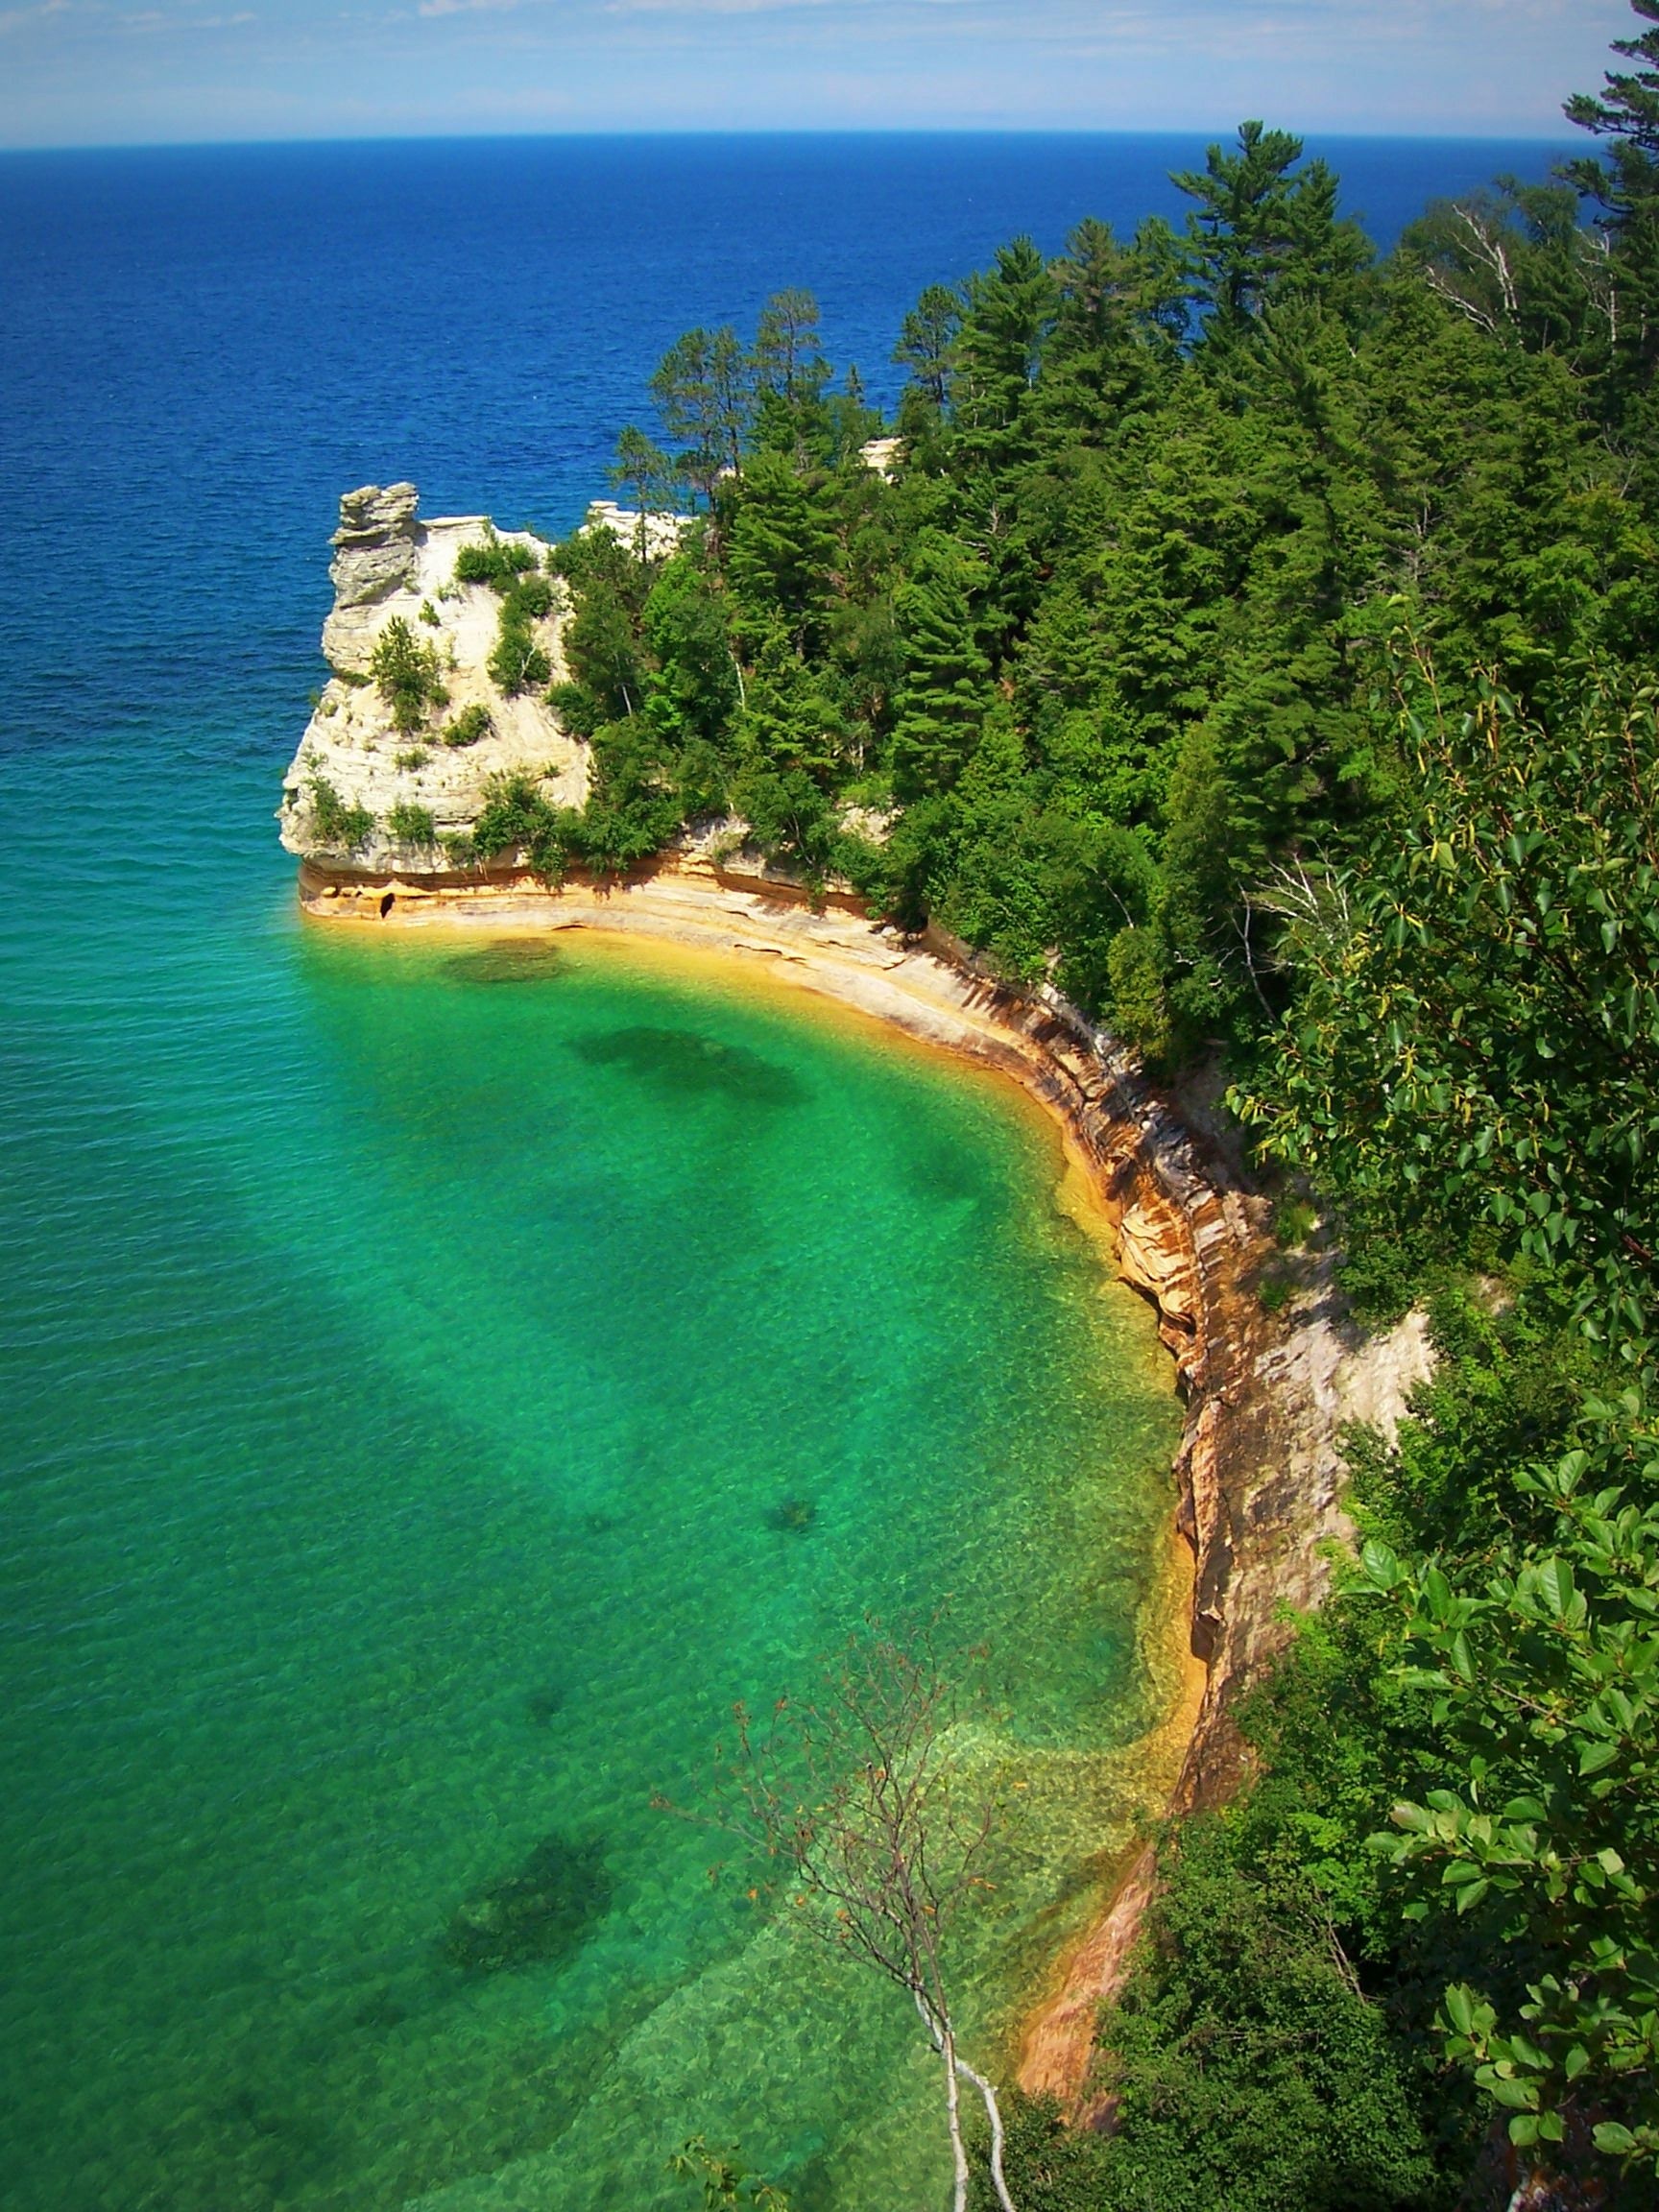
{"x":794,"y":1517}
{"x":542,"y":1912}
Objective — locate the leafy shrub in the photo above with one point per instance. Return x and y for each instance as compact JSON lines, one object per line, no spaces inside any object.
{"x":517,"y":818}
{"x":429,"y":613}
{"x":412,"y":825}
{"x":468,"y":726}
{"x":493,"y":563}
{"x":416,"y":758}
{"x":406,"y":673}
{"x":519,"y":663}
{"x":1250,"y":2069}
{"x":333,"y":822}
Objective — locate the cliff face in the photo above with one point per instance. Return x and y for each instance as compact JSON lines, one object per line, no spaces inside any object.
{"x":388,"y":563}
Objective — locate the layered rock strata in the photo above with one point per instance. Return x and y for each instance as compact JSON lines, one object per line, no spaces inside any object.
{"x":388,"y":563}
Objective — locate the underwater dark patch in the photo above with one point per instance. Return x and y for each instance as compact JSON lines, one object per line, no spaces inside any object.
{"x":943,"y":1175}
{"x":506,"y":963}
{"x":679,"y":1064}
{"x":794,"y":1517}
{"x":539,"y":1914}
{"x":545,"y":1704}
{"x":380,"y":2011}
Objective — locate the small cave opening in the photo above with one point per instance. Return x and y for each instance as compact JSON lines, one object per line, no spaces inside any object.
{"x":387,"y":903}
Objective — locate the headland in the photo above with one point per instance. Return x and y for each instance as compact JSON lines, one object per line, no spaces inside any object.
{"x":382,"y":828}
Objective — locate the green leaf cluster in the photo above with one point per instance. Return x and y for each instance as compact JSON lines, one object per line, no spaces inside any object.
{"x":405,"y":672}
{"x":333,"y":821}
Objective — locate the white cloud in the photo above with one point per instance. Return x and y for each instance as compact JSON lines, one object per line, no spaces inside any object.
{"x":19,"y":18}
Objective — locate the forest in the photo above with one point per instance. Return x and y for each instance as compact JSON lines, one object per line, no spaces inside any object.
{"x":1256,"y":639}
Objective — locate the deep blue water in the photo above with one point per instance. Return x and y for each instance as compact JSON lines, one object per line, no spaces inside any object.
{"x":347,"y":1554}
{"x":199,"y":348}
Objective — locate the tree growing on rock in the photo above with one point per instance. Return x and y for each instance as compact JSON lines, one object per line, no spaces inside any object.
{"x":405,"y":674}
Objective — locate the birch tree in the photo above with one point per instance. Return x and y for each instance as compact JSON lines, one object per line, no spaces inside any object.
{"x":859,"y":1811}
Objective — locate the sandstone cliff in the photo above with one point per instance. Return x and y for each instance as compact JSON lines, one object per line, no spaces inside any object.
{"x":389,"y":564}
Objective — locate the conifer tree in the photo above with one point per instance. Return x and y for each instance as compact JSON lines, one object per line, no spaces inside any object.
{"x":704,"y":395}
{"x":780,"y":547}
{"x":1010,"y":310}
{"x":1627,"y":187}
{"x":1257,"y":230}
{"x":945,"y":686}
{"x":927,"y":340}
{"x":642,"y":469}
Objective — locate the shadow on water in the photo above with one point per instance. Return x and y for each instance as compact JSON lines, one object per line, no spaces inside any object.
{"x":508,"y":962}
{"x":679,"y":1065}
{"x":538,"y":1915}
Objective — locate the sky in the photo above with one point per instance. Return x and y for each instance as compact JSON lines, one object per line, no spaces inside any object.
{"x":108,"y":72}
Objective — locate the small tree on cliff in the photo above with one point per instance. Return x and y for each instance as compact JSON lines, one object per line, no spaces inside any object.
{"x":858,"y":1810}
{"x":405,"y":674}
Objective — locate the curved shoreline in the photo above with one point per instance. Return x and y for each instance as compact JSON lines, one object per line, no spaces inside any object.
{"x":1256,"y":1468}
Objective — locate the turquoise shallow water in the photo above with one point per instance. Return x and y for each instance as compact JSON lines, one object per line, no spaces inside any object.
{"x":415,"y":1363}
{"x":418,"y":1360}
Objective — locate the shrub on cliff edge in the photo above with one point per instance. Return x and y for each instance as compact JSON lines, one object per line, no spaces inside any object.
{"x":333,"y":822}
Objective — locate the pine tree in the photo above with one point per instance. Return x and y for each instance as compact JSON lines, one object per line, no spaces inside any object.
{"x":704,"y":395}
{"x":946,"y":689}
{"x":1627,"y":187}
{"x":780,"y":547}
{"x":1258,"y":231}
{"x":927,"y":340}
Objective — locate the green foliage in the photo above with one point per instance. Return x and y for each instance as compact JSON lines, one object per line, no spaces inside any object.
{"x":944,"y":692}
{"x":406,"y":674}
{"x":1249,"y":2069}
{"x":602,"y":642}
{"x":416,"y":757}
{"x":517,"y":820}
{"x":518,"y":662}
{"x":1261,"y":233}
{"x":412,"y":825}
{"x":1294,"y":1221}
{"x":705,"y":397}
{"x":1479,"y":1022}
{"x":333,"y":822}
{"x":472,"y":724}
{"x":1627,"y":187}
{"x":1545,"y":1684}
{"x":496,"y":561}
{"x":644,"y":472}
{"x":927,"y":340}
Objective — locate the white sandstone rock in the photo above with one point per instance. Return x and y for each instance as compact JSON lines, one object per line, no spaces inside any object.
{"x":388,"y":563}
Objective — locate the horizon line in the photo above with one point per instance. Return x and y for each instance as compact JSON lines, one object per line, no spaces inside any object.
{"x":1306,"y":132}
